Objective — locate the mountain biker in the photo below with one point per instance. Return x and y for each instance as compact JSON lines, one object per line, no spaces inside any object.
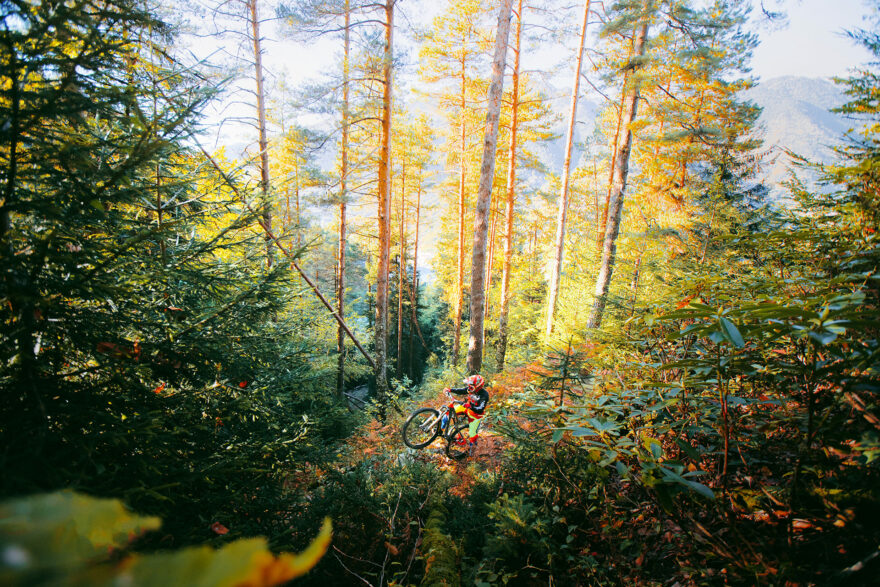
{"x":474,"y":407}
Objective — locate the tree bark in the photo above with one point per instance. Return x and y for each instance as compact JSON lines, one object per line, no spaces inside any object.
{"x":603,"y":220}
{"x":511,"y":198}
{"x":371,"y":304}
{"x":297,"y":201}
{"x":493,"y":212}
{"x":615,"y":205}
{"x":634,"y":286}
{"x":261,"y":119}
{"x":12,"y":168}
{"x":459,"y":284}
{"x":484,"y":192}
{"x":556,"y":270}
{"x":401,"y":270}
{"x":343,"y":195}
{"x":414,"y":286}
{"x":414,"y":291}
{"x":384,"y":184}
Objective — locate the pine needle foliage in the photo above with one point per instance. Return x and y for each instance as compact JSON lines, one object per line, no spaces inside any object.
{"x":147,"y":352}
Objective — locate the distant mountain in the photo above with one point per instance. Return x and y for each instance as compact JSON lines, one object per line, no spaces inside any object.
{"x":796,"y":117}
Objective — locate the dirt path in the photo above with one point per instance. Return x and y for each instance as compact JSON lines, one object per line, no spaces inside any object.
{"x":490,"y":446}
{"x":384,"y":440}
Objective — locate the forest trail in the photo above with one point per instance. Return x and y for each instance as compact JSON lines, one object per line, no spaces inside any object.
{"x":385,"y":439}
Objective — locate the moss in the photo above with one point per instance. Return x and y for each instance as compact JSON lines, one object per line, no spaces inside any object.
{"x":439,"y":551}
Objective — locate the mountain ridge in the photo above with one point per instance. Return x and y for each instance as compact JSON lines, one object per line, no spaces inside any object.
{"x":796,"y":118}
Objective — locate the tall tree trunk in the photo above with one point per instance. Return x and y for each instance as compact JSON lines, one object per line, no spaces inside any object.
{"x":603,"y":220}
{"x":634,"y":286}
{"x":491,"y":258}
{"x":596,"y":198}
{"x":371,"y":303}
{"x":412,"y":337}
{"x":297,"y":202}
{"x":162,"y":245}
{"x":556,"y":270}
{"x":414,"y":289}
{"x":401,"y":270}
{"x":12,"y":73}
{"x":414,"y":285}
{"x":343,"y":195}
{"x":484,"y":192}
{"x":381,"y":325}
{"x":162,"y":249}
{"x":511,"y":198}
{"x":261,"y":119}
{"x":459,"y":284}
{"x":615,"y":205}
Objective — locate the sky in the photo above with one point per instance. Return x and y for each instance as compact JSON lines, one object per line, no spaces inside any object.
{"x":812,"y":44}
{"x":809,"y":42}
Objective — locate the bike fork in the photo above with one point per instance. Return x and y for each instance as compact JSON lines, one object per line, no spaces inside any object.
{"x":430,"y":424}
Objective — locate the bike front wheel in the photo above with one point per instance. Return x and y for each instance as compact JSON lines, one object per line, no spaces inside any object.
{"x":457,"y":443}
{"x":421,"y":428}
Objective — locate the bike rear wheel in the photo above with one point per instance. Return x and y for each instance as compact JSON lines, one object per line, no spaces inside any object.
{"x":421,"y":428}
{"x":457,"y":442}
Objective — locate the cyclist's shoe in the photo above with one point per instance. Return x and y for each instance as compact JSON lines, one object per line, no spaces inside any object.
{"x":461,"y":441}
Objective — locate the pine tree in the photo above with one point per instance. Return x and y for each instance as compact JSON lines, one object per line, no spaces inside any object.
{"x":484,"y":193}
{"x":380,"y":341}
{"x":510,"y":201}
{"x":454,"y":50}
{"x":641,"y":17}
{"x":556,"y":269}
{"x":263,"y":142}
{"x":859,"y":171}
{"x":412,"y":153}
{"x":308,"y":20}
{"x":142,"y":328}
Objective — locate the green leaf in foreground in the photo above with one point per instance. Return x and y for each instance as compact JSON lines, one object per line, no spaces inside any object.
{"x":65,"y":538}
{"x":730,"y":332}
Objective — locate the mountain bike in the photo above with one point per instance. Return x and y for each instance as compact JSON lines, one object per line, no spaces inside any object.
{"x":423,"y":426}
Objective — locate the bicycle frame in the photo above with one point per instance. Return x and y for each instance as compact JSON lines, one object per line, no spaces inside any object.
{"x":430,"y":424}
{"x":434,"y":422}
{"x":450,"y":425}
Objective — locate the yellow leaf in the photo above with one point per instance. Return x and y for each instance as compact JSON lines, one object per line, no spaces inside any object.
{"x":301,"y":563}
{"x":243,"y":563}
{"x":67,"y":537}
{"x":62,"y":527}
